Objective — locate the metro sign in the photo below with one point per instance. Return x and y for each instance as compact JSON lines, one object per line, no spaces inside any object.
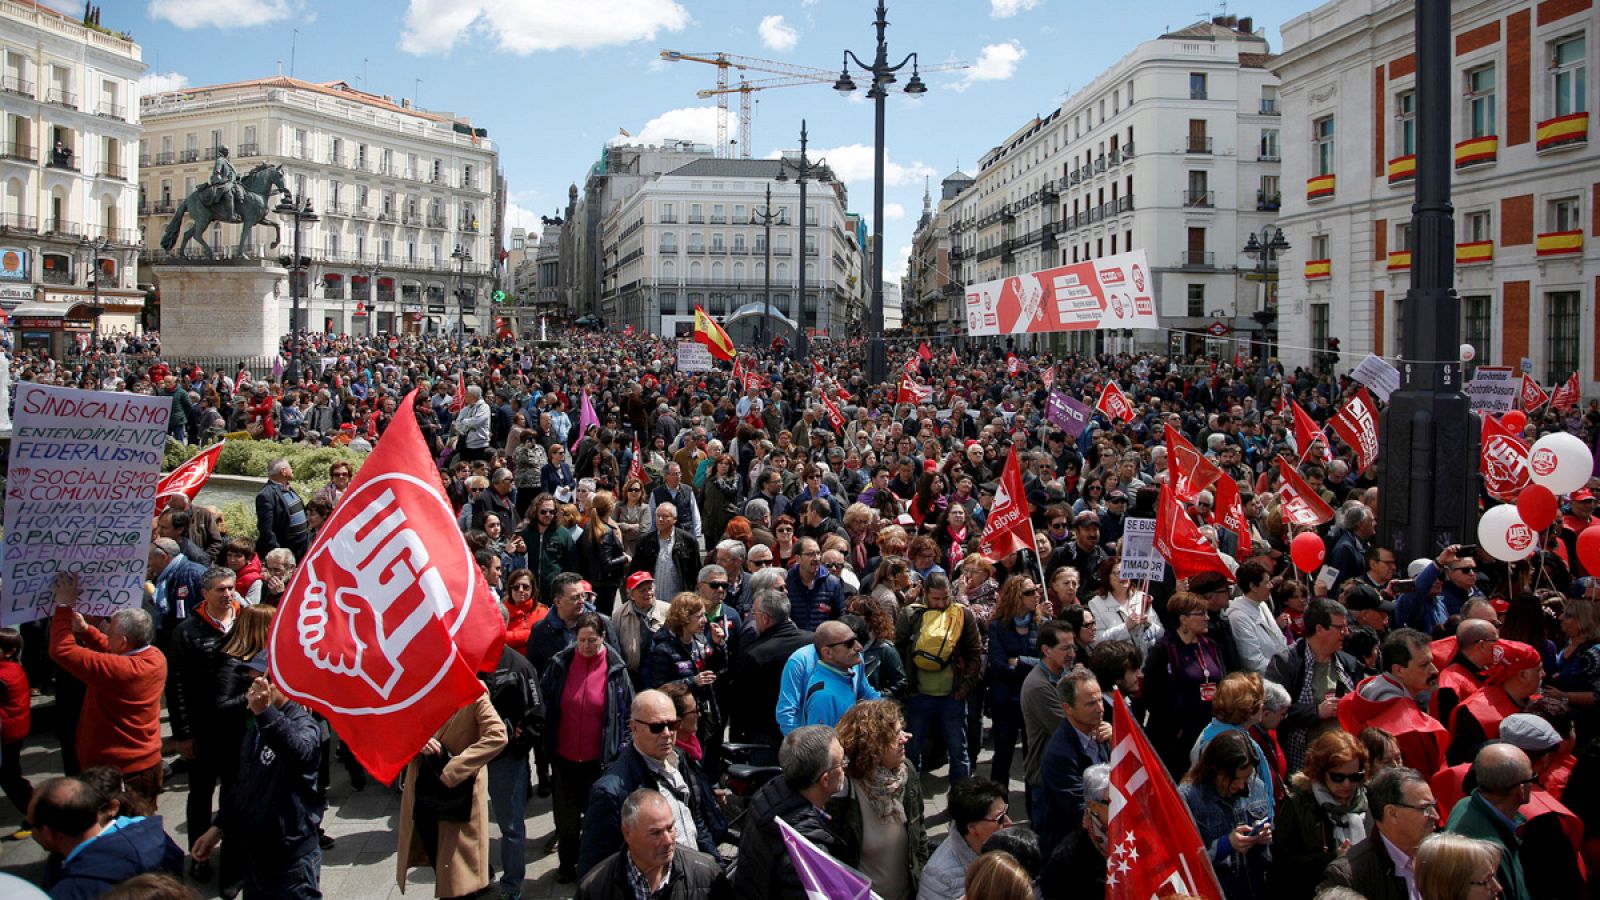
{"x":1218,"y":329}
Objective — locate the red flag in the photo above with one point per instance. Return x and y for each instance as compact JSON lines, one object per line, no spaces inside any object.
{"x":189,"y":478}
{"x":835,"y":418}
{"x":1048,"y":376}
{"x":1114,"y":403}
{"x":1154,"y":848}
{"x":459,"y":401}
{"x":388,"y":620}
{"x":1180,"y":541}
{"x":1533,"y":396}
{"x":1013,"y":365}
{"x":1307,"y":432}
{"x":1357,"y":425}
{"x":1230,"y":509}
{"x":1190,"y":471}
{"x":1565,"y":396}
{"x":924,"y":352}
{"x":636,"y":468}
{"x":1503,"y":461}
{"x":1300,"y":504}
{"x":911,"y":392}
{"x":954,"y":359}
{"x":911,"y":364}
{"x":1010,"y":524}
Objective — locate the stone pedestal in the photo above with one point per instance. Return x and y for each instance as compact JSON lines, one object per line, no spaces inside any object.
{"x":220,"y":310}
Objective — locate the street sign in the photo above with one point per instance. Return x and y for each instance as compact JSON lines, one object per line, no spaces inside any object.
{"x":1218,"y":329}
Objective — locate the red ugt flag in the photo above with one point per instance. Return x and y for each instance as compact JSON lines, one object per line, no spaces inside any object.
{"x":911,"y":392}
{"x":924,"y":352}
{"x":1153,"y":846}
{"x":1179,"y":540}
{"x":188,"y":478}
{"x":1565,"y":396}
{"x":1307,"y":432}
{"x":388,"y":620}
{"x":1230,"y":509}
{"x":1357,"y":425}
{"x":1191,"y":471}
{"x":636,"y":467}
{"x":1503,"y":461}
{"x":1114,"y":403}
{"x":1010,"y":524}
{"x":1300,"y":504}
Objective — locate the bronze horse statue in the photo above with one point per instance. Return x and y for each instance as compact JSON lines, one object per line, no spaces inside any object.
{"x":259,"y":185}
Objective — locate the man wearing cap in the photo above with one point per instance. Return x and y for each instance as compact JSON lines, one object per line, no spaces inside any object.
{"x":1471,"y":652}
{"x":1083,"y":552}
{"x":1369,"y":608}
{"x":1504,"y":778}
{"x":1512,"y":677}
{"x":1423,"y":607}
{"x":1580,"y":515}
{"x":637,"y":620}
{"x":1389,"y":701}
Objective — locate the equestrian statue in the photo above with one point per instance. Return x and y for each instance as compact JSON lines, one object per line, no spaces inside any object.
{"x":228,"y":197}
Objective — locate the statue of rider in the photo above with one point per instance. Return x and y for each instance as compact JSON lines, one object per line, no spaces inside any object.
{"x":225,"y":181}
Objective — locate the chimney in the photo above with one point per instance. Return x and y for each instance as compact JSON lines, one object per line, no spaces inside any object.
{"x":1247,"y":25}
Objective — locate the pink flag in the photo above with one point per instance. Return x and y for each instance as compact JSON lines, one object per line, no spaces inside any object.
{"x":586,"y":417}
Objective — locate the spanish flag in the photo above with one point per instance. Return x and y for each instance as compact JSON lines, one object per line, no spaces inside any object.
{"x":708,"y":332}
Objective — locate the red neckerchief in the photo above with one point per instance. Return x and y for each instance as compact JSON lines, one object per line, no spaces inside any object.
{"x":234,"y":605}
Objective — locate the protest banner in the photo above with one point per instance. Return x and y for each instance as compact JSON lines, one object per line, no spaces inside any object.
{"x":1376,"y":373}
{"x":693,"y":357}
{"x":1067,"y":413}
{"x":81,"y":491}
{"x":1494,"y":389}
{"x":1110,"y":292}
{"x":1140,"y":560}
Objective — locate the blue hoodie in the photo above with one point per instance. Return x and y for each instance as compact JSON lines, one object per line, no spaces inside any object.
{"x":128,"y":847}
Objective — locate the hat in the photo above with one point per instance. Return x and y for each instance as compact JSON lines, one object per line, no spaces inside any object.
{"x":987,"y":487}
{"x":1510,"y":657}
{"x":1208,"y":582}
{"x":1529,"y":732}
{"x":1117,"y":496}
{"x":261,"y":662}
{"x":1500,"y":605}
{"x":1365,"y":596}
{"x":1417,"y":565}
{"x":1087,"y":517}
{"x":639,"y":578}
{"x":1581,"y":495}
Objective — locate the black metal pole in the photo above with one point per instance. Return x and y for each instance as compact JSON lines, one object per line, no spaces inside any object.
{"x":1428,"y":483}
{"x":800,"y":313}
{"x":766,"y":316}
{"x":877,"y":353}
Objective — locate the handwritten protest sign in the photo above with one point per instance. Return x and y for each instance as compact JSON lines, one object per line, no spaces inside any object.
{"x":1376,"y":373}
{"x":1494,"y":389}
{"x":1067,"y":413}
{"x":693,"y":357}
{"x":79,"y":497}
{"x":1140,"y":559}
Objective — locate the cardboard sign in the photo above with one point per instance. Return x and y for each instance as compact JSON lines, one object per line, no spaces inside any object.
{"x":1376,"y":373}
{"x":1140,"y":559}
{"x":1494,"y":389}
{"x":1067,"y":413}
{"x":693,"y":357}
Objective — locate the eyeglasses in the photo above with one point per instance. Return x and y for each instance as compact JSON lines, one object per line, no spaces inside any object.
{"x":520,"y":586}
{"x":658,"y":727}
{"x":717,"y":585}
{"x":853,"y":642}
{"x":1355,"y":777}
{"x":1427,"y":809}
{"x":1031,"y":592}
{"x":1003,"y":817}
{"x":547,"y":512}
{"x":1465,"y":569}
{"x":1058,"y":525}
{"x":835,"y":566}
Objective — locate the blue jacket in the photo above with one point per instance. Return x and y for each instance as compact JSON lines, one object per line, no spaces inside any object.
{"x":829,"y":692}
{"x":1242,"y":876}
{"x":797,"y":675}
{"x":811,"y":606}
{"x":1419,"y":608}
{"x":602,"y":823}
{"x":1005,"y":679}
{"x":138,"y":845}
{"x":274,"y":805}
{"x":1058,"y":806}
{"x":177,"y":591}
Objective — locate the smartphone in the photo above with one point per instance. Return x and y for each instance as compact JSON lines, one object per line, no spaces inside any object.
{"x":1402,"y":586}
{"x":1467,"y":550}
{"x":1259,"y":827}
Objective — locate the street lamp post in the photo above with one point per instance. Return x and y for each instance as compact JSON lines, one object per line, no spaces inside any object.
{"x":301,"y":212}
{"x":765,"y":218}
{"x":462,"y":256}
{"x":95,"y":248}
{"x":882,"y":76}
{"x":804,"y":168}
{"x":372,"y":301}
{"x":1265,"y":252}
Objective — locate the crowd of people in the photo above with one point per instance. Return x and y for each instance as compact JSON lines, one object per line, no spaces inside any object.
{"x":714,"y":578}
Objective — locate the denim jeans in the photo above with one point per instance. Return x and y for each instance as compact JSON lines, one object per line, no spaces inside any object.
{"x":949,"y":715}
{"x":508,"y":794}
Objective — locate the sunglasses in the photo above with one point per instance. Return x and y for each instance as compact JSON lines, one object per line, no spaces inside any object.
{"x":658,"y":727}
{"x":853,"y":642}
{"x":717,"y":585}
{"x":1355,"y":777}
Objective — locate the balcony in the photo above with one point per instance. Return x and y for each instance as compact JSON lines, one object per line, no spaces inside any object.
{"x":11,"y":84}
{"x":336,"y":159}
{"x":1270,"y":108}
{"x":250,"y":149}
{"x":695,"y":249}
{"x":1553,"y":244}
{"x":1074,"y":177}
{"x":1266,"y":202}
{"x":1268,"y":154}
{"x":18,"y":222}
{"x":782,"y":251}
{"x":1127,"y":150}
{"x":189,"y":156}
{"x":1403,"y":169}
{"x":20,"y":152}
{"x":696,"y":220}
{"x":1100,"y":163}
{"x":411,"y":218}
{"x":112,"y":111}
{"x":669,"y":219}
{"x":1477,"y":151}
{"x":1124,"y":204}
{"x":60,"y":97}
{"x":1199,"y":259}
{"x":470,"y":227}
{"x":56,"y":276}
{"x":166,"y":158}
{"x":723,"y":220}
{"x":1563,"y":132}
{"x":61,"y":159}
{"x":112,"y":170}
{"x":1197,"y":144}
{"x":1199,"y":199}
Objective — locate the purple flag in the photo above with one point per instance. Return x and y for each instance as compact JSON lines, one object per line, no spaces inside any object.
{"x":1067,"y":414}
{"x":822,"y":876}
{"x":277,"y":368}
{"x":586,"y":417}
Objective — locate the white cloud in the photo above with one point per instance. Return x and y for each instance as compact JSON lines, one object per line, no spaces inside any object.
{"x":1005,"y":9}
{"x":893,"y":212}
{"x":689,"y":123}
{"x":777,"y":34}
{"x":519,"y":216}
{"x":853,"y":164}
{"x":528,"y":26}
{"x":160,"y":82}
{"x":221,"y":13}
{"x":997,"y":62}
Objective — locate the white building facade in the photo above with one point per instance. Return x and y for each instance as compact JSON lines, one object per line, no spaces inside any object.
{"x":404,"y":197}
{"x":1525,"y":182}
{"x":68,"y":196}
{"x":692,"y":237}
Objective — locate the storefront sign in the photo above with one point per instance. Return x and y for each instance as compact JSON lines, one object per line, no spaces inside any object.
{"x":14,"y":264}
{"x":16,"y":293}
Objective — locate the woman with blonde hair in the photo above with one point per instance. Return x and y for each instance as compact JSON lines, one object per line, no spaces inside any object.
{"x":684,"y":650}
{"x":1013,"y":652}
{"x":880,"y":810}
{"x":1452,"y":867}
{"x":600,"y":551}
{"x":632,"y":514}
{"x":1324,"y":816}
{"x":997,"y":875}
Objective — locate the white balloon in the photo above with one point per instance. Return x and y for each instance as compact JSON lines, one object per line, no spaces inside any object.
{"x":1561,"y":462}
{"x":1504,"y":536}
{"x":1468,"y":352}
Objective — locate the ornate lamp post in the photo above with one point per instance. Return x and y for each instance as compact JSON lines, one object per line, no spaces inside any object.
{"x":1265,"y":251}
{"x":765,"y":218}
{"x":882,"y":76}
{"x":804,"y":169}
{"x":462,"y":255}
{"x":300,"y":212}
{"x":94,"y":249}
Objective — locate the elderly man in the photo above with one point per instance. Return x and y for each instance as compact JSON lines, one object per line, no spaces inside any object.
{"x":833,"y":686}
{"x":500,"y":500}
{"x":652,"y":860}
{"x":280,"y":515}
{"x":1389,"y":701}
{"x":1464,"y":674}
{"x":813,"y":771}
{"x":174,"y":523}
{"x":472,"y":426}
{"x":95,"y":855}
{"x":123,"y":675}
{"x":731,"y":556}
{"x":177,"y":582}
{"x":1382,"y":866}
{"x":652,"y":761}
{"x":759,"y":668}
{"x":1504,"y":776}
{"x":639,"y":616}
{"x":1349,"y":552}
{"x":713,"y":586}
{"x":668,"y":553}
{"x":672,"y":492}
{"x":815,"y":594}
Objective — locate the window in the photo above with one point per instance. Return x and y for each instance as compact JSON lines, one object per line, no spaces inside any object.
{"x":1567,"y":78}
{"x":249,"y":139}
{"x":667,"y":214}
{"x":1322,"y":146}
{"x":1480,"y":102}
{"x":1475,"y":329}
{"x":669,"y":242}
{"x":716,"y":242}
{"x":696,"y":214}
{"x":1270,"y":196}
{"x":1319,"y":247}
{"x":1405,"y":115}
{"x":1565,"y":215}
{"x":1319,"y":325}
{"x":1198,"y":142}
{"x":1269,"y":143}
{"x":738,"y":243}
{"x":1478,"y":226}
{"x":696,"y":242}
{"x":1197,"y":301}
{"x":1197,"y":85}
{"x":669,"y":303}
{"x":466,"y":176}
{"x":1561,"y":335}
{"x":717,"y":216}
{"x":1269,"y":99}
{"x":739,"y":214}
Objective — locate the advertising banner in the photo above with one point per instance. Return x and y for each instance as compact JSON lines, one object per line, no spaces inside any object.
{"x":1111,"y":292}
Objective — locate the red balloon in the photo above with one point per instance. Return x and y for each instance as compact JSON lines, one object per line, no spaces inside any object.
{"x":1537,"y":506}
{"x":1308,"y":551}
{"x":1589,"y":549}
{"x":1515,"y":421}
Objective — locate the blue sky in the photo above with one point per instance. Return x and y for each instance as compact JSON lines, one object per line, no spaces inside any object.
{"x":553,"y":80}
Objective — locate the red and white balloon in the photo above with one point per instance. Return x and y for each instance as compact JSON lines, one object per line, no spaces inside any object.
{"x":1503,"y":535}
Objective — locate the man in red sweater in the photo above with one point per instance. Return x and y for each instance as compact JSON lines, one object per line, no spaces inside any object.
{"x":124,"y":676}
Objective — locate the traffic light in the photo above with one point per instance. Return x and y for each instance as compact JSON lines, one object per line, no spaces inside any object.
{"x":1333,"y":352}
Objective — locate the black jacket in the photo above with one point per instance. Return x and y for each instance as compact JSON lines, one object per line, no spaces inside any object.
{"x":196,"y":682}
{"x":1368,"y":870}
{"x":273,"y":806}
{"x":763,"y":870}
{"x":602,"y":823}
{"x":758,"y":670}
{"x":281,"y":521}
{"x":1288,"y":669}
{"x":685,"y":556}
{"x":550,"y":636}
{"x":694,"y":875}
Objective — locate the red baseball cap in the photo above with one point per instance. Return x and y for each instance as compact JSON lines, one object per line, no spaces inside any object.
{"x":639,"y":578}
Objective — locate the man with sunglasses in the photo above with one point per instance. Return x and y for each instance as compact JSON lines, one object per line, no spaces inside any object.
{"x":1389,"y":701}
{"x":651,"y":761}
{"x":833,"y":686}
